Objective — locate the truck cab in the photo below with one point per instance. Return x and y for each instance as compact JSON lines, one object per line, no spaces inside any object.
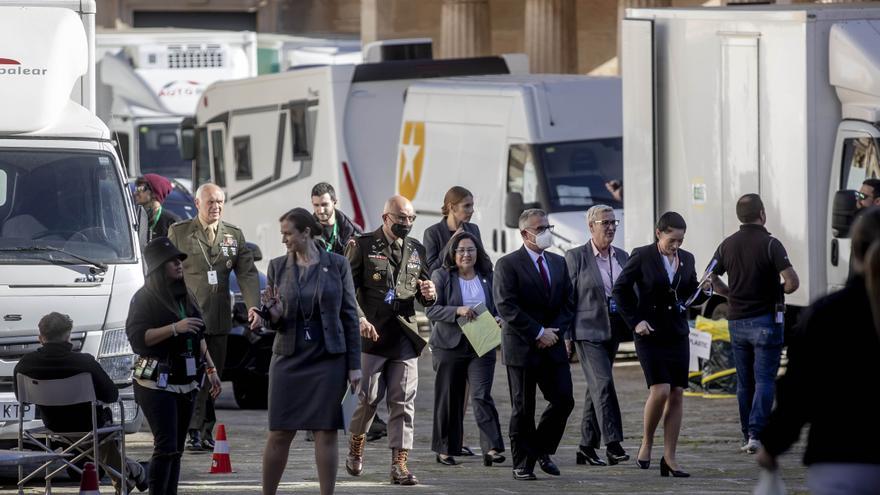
{"x":67,"y":241}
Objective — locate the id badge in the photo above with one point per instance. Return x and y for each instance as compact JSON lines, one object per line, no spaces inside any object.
{"x":212,"y":277}
{"x":612,"y":305}
{"x":389,"y":296}
{"x":780,"y":314}
{"x":162,"y":381}
{"x":190,"y":366}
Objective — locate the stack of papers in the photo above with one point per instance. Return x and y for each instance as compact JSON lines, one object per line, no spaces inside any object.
{"x":482,"y":332}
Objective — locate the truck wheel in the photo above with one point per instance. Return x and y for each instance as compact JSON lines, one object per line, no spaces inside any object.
{"x":251,"y":393}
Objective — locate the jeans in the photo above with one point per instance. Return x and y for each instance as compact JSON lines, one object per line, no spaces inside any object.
{"x":169,"y":414}
{"x":757,"y":345}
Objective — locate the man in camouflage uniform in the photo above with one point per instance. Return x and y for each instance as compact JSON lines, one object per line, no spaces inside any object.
{"x":214,"y":248}
{"x":390,"y":274}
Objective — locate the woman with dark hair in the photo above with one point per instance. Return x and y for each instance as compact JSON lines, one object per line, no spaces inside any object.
{"x":457,"y":209}
{"x":841,"y":452}
{"x":165,"y":329}
{"x":310,"y":302}
{"x":650,"y":294}
{"x":463,"y":282}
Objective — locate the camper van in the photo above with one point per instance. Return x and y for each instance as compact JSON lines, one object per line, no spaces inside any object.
{"x":515,"y":141}
{"x":150,"y":79}
{"x":66,"y":238}
{"x":783,"y":101}
{"x":267,"y":140}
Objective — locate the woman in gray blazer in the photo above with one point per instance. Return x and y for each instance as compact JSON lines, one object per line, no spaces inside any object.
{"x":310,"y":302}
{"x":462,"y":283}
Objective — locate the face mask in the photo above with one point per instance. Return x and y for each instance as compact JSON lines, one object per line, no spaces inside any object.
{"x":400,"y":230}
{"x":544,"y":240}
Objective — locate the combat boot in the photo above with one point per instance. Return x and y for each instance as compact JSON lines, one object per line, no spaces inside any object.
{"x":354,"y":463}
{"x":400,"y":474}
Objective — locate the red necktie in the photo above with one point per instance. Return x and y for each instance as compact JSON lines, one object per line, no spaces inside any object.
{"x":543,"y":271}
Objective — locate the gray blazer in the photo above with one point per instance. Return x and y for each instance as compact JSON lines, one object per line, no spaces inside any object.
{"x":591,"y":309}
{"x":446,"y":333}
{"x":335,"y":298}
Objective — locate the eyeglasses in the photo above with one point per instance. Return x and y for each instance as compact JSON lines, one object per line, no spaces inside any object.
{"x":543,"y":228}
{"x":403,"y":218}
{"x":465,"y":251}
{"x":606,"y":223}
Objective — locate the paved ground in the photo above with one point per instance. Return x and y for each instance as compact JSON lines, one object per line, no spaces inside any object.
{"x":708,"y":449}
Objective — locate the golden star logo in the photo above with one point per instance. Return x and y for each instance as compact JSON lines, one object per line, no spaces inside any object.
{"x":412,"y":156}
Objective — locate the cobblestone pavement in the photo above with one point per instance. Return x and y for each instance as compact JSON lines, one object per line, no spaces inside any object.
{"x":708,"y":449}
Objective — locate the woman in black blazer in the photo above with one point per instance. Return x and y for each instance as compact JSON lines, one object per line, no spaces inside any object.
{"x":457,"y":209}
{"x":650,"y":295}
{"x":462,"y":283}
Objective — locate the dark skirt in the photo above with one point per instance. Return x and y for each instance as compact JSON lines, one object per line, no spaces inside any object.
{"x":664,"y":359}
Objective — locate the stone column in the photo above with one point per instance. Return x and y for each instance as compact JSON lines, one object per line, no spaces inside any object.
{"x":622,"y":5}
{"x":465,"y":29}
{"x":551,"y":36}
{"x":377,"y":20}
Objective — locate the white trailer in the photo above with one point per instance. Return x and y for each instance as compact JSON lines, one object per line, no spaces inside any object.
{"x":782,"y":101}
{"x":66,"y":238}
{"x":268,"y":140}
{"x":515,"y":141}
{"x":150,"y":79}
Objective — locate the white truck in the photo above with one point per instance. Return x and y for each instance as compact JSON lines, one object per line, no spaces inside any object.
{"x":268,"y":140}
{"x":66,"y":238}
{"x":783,"y":101}
{"x":150,"y":79}
{"x":282,"y":52}
{"x":515,"y":141}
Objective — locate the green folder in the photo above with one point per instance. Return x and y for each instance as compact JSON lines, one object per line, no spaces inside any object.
{"x":482,"y":332}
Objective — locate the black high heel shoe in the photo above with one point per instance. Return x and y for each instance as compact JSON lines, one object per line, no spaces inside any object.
{"x":489,"y":459}
{"x":447,"y":461}
{"x":644,"y":464}
{"x":665,"y":470}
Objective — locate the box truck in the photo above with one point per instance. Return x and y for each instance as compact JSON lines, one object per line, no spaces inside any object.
{"x":783,"y":101}
{"x":515,"y":141}
{"x":150,"y":79}
{"x":267,"y":140}
{"x":66,"y":238}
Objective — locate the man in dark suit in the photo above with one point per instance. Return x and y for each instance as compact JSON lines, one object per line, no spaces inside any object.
{"x":389,"y":273}
{"x":533,"y":295}
{"x":598,"y":329}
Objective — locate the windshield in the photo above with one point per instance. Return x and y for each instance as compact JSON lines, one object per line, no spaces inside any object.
{"x":575,"y":173}
{"x":71,"y":201}
{"x":159,"y":151}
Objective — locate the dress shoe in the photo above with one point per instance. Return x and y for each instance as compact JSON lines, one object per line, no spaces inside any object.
{"x":523,"y":474}
{"x":142,"y":482}
{"x":465,"y":451}
{"x":354,"y":462}
{"x":665,"y":470}
{"x":195,"y":441}
{"x":548,"y":466}
{"x":400,"y":473}
{"x":615,"y":453}
{"x":588,"y":455}
{"x":447,"y":461}
{"x":492,"y":458}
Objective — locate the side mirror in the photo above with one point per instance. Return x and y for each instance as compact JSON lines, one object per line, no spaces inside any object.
{"x":843,"y":212}
{"x":513,"y":207}
{"x":255,"y":250}
{"x":187,"y":139}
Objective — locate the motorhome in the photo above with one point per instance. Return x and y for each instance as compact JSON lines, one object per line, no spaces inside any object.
{"x":150,"y":79}
{"x":783,"y":101}
{"x":66,"y":238}
{"x":268,"y":140}
{"x":515,"y":141}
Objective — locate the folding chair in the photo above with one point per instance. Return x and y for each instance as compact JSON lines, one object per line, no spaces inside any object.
{"x":77,"y":389}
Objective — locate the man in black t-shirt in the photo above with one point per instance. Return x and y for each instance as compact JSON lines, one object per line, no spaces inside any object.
{"x":754,"y":261}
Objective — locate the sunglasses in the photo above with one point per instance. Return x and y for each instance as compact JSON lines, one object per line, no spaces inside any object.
{"x":142,"y":188}
{"x":861,"y":196}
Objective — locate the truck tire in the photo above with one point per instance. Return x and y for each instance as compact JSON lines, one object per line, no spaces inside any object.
{"x":251,"y":393}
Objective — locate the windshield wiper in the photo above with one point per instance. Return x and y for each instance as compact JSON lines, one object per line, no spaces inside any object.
{"x":102,"y":267}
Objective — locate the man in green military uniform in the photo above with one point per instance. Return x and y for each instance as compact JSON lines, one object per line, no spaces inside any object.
{"x":214,"y":249}
{"x":390,"y":274}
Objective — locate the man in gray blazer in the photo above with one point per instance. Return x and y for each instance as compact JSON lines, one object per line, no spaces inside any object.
{"x":593,"y":268}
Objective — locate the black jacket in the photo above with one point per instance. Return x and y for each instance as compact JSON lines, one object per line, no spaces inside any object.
{"x":347,"y":231}
{"x":57,"y":360}
{"x":437,"y":236}
{"x":147,"y":230}
{"x":833,"y":365}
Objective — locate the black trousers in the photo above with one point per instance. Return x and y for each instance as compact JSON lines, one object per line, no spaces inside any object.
{"x":204,"y":417}
{"x":528,"y":442}
{"x":455,"y":369}
{"x":168,"y":414}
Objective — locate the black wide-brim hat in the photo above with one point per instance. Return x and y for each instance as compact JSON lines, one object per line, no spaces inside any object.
{"x":159,"y":251}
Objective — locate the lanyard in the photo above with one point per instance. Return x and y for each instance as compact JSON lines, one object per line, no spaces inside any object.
{"x":156,"y":219}
{"x":180,"y":310}
{"x":332,"y":240}
{"x":205,"y":254}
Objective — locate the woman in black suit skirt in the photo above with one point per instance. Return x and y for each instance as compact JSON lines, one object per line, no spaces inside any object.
{"x":650,"y":295}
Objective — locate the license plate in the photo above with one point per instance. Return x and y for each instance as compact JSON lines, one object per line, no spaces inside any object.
{"x":9,"y":411}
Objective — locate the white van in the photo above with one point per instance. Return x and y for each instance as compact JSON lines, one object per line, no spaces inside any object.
{"x":515,"y":141}
{"x":67,"y":241}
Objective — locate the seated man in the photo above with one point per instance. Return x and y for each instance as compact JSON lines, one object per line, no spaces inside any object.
{"x":56,"y":360}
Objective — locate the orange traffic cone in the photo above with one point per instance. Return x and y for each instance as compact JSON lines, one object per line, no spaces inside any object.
{"x":220,"y":462}
{"x":89,"y":483}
